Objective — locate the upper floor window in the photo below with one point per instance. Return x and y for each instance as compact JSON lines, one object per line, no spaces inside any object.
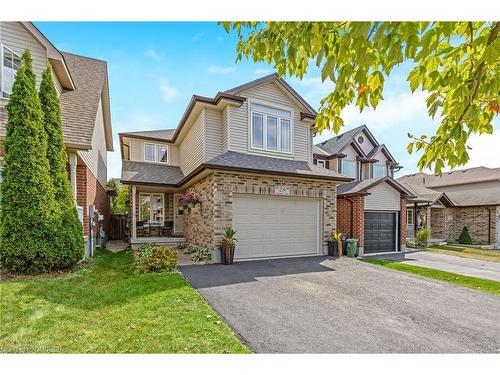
{"x":271,"y":128}
{"x":321,"y":163}
{"x":155,"y":152}
{"x":379,"y":170}
{"x":10,"y":65}
{"x":349,"y":168}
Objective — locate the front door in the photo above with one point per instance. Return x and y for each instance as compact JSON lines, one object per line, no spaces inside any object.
{"x":178,"y":215}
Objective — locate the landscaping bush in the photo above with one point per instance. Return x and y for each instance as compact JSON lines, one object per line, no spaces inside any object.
{"x":29,"y":210}
{"x":411,"y":244}
{"x":201,"y":254}
{"x":422,"y":237}
{"x":464,"y":237}
{"x":154,"y":258}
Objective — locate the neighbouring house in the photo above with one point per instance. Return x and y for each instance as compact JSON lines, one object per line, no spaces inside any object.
{"x":248,"y":154}
{"x":445,"y":203}
{"x":371,"y":208}
{"x":82,"y":83}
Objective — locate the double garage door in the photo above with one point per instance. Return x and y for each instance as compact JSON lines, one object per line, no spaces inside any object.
{"x":276,"y":226}
{"x":380,"y":232}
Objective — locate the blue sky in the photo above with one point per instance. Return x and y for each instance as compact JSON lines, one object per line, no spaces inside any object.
{"x":155,"y":67}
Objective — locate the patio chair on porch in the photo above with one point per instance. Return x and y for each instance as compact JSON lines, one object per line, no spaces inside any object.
{"x":168,"y":228}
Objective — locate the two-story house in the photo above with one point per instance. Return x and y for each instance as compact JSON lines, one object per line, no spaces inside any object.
{"x":372,"y":208}
{"x":248,"y":153}
{"x":82,"y":84}
{"x":445,"y":203}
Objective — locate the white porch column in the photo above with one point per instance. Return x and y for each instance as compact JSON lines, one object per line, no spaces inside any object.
{"x":72,"y":168}
{"x":133,"y":218}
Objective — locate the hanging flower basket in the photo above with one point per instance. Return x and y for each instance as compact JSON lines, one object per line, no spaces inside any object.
{"x":189,"y":200}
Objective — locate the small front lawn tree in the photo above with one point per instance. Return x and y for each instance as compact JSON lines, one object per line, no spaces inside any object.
{"x":27,"y":198}
{"x":68,"y":245}
{"x":464,"y":237}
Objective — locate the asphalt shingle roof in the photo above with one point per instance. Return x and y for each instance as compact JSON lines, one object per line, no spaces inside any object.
{"x":480,"y":197}
{"x":336,"y":144}
{"x":161,"y":135}
{"x":257,"y":163}
{"x":462,"y":176}
{"x":135,"y":171}
{"x":363,"y":186}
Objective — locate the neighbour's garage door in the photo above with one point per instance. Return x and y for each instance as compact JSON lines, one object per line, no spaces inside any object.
{"x":380,"y":232}
{"x":275,"y":226}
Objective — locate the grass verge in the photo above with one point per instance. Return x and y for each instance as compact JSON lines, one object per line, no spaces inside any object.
{"x":489,"y":286}
{"x":467,"y":252}
{"x":107,"y":308}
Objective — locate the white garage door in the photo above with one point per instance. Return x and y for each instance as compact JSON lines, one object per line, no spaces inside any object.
{"x":276,"y":226}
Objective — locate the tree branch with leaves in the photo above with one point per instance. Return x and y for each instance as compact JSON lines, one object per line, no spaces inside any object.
{"x":455,"y":63}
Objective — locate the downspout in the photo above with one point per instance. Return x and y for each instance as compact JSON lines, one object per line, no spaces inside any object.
{"x":489,"y":225}
{"x":415,"y":219}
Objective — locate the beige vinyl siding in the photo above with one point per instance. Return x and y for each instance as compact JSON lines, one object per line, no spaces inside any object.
{"x":225,"y":128}
{"x":383,"y":197}
{"x":213,"y":133}
{"x":350,"y":153}
{"x":192,"y":152}
{"x":173,"y":157}
{"x":96,"y":158}
{"x":380,"y":157}
{"x":136,"y":150}
{"x":269,"y":93}
{"x":366,"y":170}
{"x":366,"y":146}
{"x":15,"y":37}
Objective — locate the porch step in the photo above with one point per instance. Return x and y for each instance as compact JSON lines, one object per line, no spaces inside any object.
{"x":162,"y":241}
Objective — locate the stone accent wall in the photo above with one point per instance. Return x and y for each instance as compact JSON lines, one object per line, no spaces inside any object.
{"x":344,"y":217}
{"x":204,"y":226}
{"x":447,"y":223}
{"x":402,"y":222}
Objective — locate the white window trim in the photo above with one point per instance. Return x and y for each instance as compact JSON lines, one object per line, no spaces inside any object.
{"x":356,"y":166}
{"x":150,"y":211}
{"x":410,"y":214}
{"x":264,"y":149}
{"x":2,"y":46}
{"x":155,"y":153}
{"x":322,"y":162}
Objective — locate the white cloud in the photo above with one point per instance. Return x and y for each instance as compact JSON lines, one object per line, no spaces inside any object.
{"x":168,"y":91}
{"x":484,"y":150}
{"x":262,"y":72}
{"x":198,"y":36}
{"x":215,"y":69}
{"x":151,"y":53}
{"x":220,"y":39}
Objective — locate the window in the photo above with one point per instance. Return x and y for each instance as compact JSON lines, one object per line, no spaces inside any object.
{"x":10,"y":65}
{"x":155,"y":153}
{"x":321,"y":163}
{"x":379,"y":170}
{"x":151,"y":208}
{"x":349,"y":168}
{"x":409,"y":216}
{"x":271,"y":128}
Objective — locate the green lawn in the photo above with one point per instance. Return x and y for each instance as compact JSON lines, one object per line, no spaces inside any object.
{"x":106,"y":308}
{"x":467,"y":252}
{"x":488,"y":286}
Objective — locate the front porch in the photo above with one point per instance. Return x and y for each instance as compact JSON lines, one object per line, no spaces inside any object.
{"x":155,"y":216}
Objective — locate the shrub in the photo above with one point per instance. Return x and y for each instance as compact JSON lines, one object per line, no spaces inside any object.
{"x":464,"y":237}
{"x":201,"y":254}
{"x":411,"y":243}
{"x":68,"y":243}
{"x":153,"y":258}
{"x":28,"y":206}
{"x":422,"y":237}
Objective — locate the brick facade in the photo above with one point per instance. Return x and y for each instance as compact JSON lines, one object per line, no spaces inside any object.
{"x":344,"y":224}
{"x":447,"y":223}
{"x":204,"y":225}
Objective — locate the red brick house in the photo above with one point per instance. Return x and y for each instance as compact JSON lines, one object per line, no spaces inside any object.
{"x":82,"y":83}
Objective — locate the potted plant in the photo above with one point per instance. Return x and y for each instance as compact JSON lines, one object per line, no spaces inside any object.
{"x":228,"y":245}
{"x":189,"y":200}
{"x":334,"y":244}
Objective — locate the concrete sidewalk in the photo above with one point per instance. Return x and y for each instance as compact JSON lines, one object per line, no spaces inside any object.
{"x":463,"y":266}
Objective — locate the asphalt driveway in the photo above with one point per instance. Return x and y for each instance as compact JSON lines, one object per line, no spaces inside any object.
{"x":318,"y":304}
{"x":463,"y":266}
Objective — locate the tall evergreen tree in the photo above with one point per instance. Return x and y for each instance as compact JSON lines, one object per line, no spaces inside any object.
{"x":27,"y":198}
{"x":68,"y":242}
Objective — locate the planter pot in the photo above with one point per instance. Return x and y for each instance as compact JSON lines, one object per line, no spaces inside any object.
{"x":227,"y":254}
{"x":333,"y":249}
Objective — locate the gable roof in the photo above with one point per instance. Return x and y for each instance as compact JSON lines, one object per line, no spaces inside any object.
{"x":152,"y":135}
{"x":427,"y":196}
{"x":457,"y":177}
{"x":337,"y":144}
{"x":481,"y":197}
{"x":274,"y":77}
{"x":79,"y":107}
{"x":139,"y":172}
{"x":362,"y":187}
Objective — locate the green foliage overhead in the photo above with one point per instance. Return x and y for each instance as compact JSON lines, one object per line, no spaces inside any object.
{"x":68,"y":243}
{"x":119,"y":202}
{"x":27,"y":197}
{"x":455,"y":63}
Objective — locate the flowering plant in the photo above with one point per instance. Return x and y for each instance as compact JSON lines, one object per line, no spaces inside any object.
{"x":189,"y":199}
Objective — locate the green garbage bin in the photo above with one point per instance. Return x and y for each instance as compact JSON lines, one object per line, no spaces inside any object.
{"x":352,"y":247}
